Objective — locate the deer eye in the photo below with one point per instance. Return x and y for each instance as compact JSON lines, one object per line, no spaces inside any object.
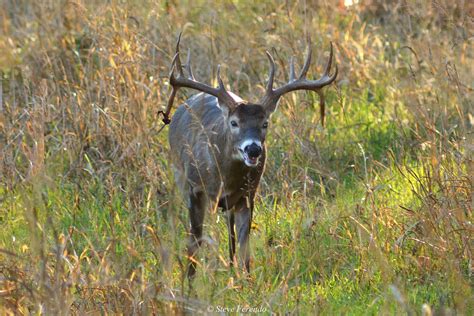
{"x":234,"y":123}
{"x":265,"y":125}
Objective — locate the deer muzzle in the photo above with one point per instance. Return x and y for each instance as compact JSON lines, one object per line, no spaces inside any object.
{"x":251,"y":152}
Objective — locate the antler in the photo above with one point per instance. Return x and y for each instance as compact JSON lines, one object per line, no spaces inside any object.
{"x":273,"y":95}
{"x":189,"y":82}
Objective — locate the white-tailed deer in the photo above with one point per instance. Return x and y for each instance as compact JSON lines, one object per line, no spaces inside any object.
{"x":218,"y":151}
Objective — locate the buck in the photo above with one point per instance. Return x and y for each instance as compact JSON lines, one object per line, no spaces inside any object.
{"x":217,"y":143}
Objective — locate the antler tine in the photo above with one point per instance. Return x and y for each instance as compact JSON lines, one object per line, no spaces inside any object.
{"x":328,"y":66}
{"x":292,"y":69}
{"x":219,"y":79}
{"x":335,"y":73}
{"x":181,"y":81}
{"x":222,"y":93}
{"x":174,"y":89}
{"x":173,"y":65}
{"x":178,"y":60}
{"x":271,"y":75}
{"x":270,"y":99}
{"x":171,"y":100}
{"x":188,"y":65}
{"x":307,"y":62}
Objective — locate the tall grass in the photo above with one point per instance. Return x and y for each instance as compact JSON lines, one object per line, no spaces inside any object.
{"x":370,"y":214}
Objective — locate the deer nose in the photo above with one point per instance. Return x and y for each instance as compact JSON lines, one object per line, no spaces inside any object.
{"x":253,"y":150}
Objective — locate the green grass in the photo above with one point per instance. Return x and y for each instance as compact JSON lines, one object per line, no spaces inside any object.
{"x":370,"y":214}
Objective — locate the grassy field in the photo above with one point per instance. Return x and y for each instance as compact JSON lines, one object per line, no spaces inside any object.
{"x":370,"y":214}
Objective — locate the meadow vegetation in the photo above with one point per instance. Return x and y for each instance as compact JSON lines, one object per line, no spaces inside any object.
{"x":369,"y":214}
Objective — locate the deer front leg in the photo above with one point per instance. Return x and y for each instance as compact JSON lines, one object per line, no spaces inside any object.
{"x":197,"y":206}
{"x":231,"y":230}
{"x":243,"y":221}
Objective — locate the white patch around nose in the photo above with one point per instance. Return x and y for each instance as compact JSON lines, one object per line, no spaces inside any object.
{"x":249,"y":142}
{"x":250,"y":162}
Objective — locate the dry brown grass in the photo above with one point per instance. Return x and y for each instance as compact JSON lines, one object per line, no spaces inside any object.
{"x":372,"y":214}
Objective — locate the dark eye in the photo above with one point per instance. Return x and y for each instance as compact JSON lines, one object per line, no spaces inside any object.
{"x":234,"y":123}
{"x":265,"y":125}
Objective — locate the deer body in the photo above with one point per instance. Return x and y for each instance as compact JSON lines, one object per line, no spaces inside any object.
{"x":209,"y":167}
{"x":199,"y":141}
{"x":217,"y":143}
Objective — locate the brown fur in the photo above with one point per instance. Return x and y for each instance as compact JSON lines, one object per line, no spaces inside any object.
{"x":202,"y":154}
